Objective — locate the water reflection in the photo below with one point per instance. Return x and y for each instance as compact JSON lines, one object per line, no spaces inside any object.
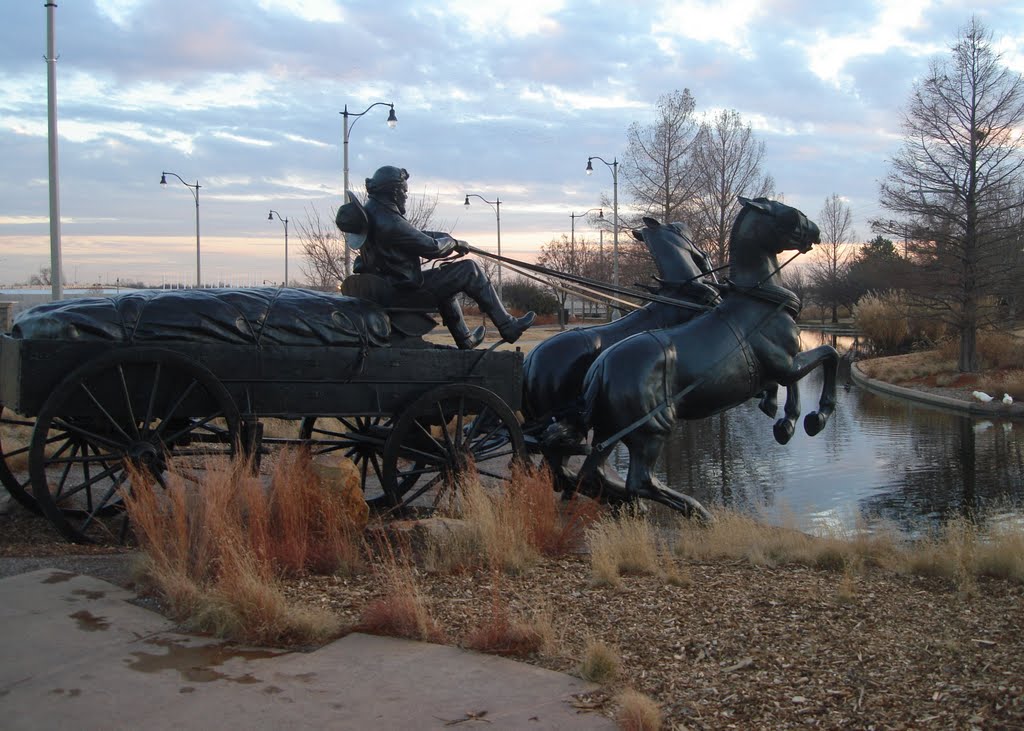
{"x":879,"y":459}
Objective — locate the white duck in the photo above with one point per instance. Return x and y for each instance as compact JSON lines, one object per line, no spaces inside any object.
{"x":1007,"y":399}
{"x":982,"y":396}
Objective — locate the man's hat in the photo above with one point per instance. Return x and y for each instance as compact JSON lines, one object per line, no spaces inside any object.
{"x":353,"y":221}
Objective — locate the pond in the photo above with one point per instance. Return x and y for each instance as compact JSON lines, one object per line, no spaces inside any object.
{"x":880,"y":459}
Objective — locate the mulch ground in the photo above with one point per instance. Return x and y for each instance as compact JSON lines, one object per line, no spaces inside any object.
{"x":734,"y":645}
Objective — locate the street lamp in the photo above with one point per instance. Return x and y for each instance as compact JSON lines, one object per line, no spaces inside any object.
{"x":270,"y":217}
{"x":574,"y":216}
{"x":195,"y":194}
{"x":614,"y":210}
{"x":346,"y":129}
{"x":496,"y":205}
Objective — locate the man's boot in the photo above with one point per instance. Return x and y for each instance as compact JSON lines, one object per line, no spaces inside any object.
{"x":451,"y":316}
{"x":509,"y":327}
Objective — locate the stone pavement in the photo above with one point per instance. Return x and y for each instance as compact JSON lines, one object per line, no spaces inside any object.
{"x":77,"y":654}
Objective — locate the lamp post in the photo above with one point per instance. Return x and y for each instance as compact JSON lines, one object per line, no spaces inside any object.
{"x":270,"y":217}
{"x":496,"y":205}
{"x":574,"y":216}
{"x":614,"y":165}
{"x":195,"y":194}
{"x":346,"y":130}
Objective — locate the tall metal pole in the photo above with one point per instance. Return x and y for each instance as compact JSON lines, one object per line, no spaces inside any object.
{"x":614,"y":165}
{"x":194,"y":189}
{"x":496,"y":206}
{"x":56,"y":265}
{"x":270,"y":217}
{"x":345,"y":130}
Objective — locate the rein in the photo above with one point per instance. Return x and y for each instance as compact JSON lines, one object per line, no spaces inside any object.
{"x":607,"y":289}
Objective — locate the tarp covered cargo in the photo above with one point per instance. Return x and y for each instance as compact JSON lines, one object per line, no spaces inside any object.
{"x":260,"y":316}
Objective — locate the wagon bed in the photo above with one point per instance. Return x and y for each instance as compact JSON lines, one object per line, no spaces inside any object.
{"x":409,"y":416}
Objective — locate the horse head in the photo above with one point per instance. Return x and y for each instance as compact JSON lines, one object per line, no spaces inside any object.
{"x":762,"y":229}
{"x":671,"y":246}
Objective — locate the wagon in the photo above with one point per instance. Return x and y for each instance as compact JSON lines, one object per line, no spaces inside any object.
{"x":158,"y":399}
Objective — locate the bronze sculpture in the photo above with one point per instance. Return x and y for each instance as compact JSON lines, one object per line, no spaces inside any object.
{"x":391,"y":247}
{"x":638,"y":389}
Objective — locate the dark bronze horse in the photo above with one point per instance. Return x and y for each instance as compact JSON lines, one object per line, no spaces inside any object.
{"x":639,"y":388}
{"x":554,"y":370}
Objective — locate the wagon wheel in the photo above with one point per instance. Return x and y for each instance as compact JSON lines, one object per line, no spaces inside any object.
{"x":15,"y":432}
{"x":443,"y":432}
{"x":152,"y":408}
{"x":360,"y":439}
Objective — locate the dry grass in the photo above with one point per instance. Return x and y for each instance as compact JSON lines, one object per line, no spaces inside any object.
{"x":959,"y":551}
{"x":401,"y":611}
{"x":997,"y":349}
{"x":216,"y":552}
{"x":501,"y":633}
{"x":882,"y":319}
{"x":509,"y":529}
{"x":902,"y":368}
{"x":626,"y":544}
{"x":637,"y":712}
{"x":600,"y":664}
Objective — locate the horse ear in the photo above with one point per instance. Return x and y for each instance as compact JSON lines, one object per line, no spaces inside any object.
{"x":760,"y":204}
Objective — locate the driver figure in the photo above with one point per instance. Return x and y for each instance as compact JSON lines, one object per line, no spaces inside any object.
{"x":393,"y":248}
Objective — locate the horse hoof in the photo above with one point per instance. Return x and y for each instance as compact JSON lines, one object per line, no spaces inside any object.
{"x":783,"y":430}
{"x":814,"y":423}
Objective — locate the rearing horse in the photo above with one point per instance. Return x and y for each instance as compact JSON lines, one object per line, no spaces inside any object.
{"x":637,"y":390}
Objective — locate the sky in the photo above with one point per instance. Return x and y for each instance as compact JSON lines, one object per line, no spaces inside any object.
{"x":505,"y":99}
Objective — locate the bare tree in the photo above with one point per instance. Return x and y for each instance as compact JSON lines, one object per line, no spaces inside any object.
{"x":830,"y":263}
{"x":323,"y":248}
{"x":955,"y":183}
{"x":657,"y":159}
{"x":323,"y":245}
{"x":726,"y":163}
{"x":568,"y":256}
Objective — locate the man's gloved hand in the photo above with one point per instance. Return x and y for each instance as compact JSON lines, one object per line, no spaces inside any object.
{"x":461,"y":247}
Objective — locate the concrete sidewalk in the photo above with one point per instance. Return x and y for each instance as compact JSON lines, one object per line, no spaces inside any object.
{"x":77,"y":654}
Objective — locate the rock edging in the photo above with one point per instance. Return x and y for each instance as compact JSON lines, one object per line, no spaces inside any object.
{"x":994,"y":408}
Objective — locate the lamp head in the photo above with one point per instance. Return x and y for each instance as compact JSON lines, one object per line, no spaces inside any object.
{"x":467,"y":200}
{"x":163,"y":179}
{"x":600,"y":213}
{"x":270,"y":216}
{"x":590,"y":167}
{"x":392,"y":119}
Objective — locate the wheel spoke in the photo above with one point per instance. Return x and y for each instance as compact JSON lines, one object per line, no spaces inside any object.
{"x":420,"y":491}
{"x":151,"y":403}
{"x":103,"y":411}
{"x":106,"y":496}
{"x":17,"y":422}
{"x":193,"y":426}
{"x":127,"y":401}
{"x":87,"y":435}
{"x":185,"y":393}
{"x":92,"y":480}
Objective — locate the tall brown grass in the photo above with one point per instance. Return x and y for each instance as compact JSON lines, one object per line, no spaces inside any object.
{"x":503,"y":633}
{"x":637,"y":712}
{"x":881,"y":318}
{"x":216,"y":551}
{"x":509,"y":529}
{"x":623,"y":544}
{"x":959,"y":550}
{"x":401,"y":611}
{"x":600,"y":663}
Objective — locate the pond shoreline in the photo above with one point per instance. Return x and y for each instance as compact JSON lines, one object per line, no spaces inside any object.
{"x":958,"y":400}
